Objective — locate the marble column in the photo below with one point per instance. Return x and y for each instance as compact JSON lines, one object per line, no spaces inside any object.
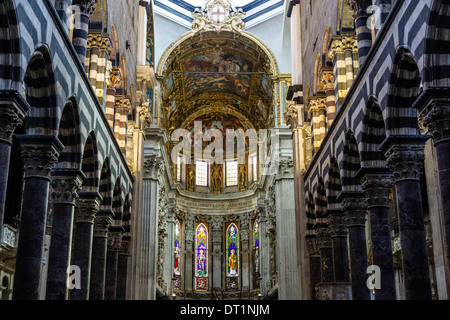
{"x":363,"y":34}
{"x":434,"y":108}
{"x":40,"y":154}
{"x":314,"y":263}
{"x":87,"y":207}
{"x":122,"y":269}
{"x":338,"y":234}
{"x":325,"y":248}
{"x":217,"y":251}
{"x":102,"y":223}
{"x":354,"y":207}
{"x":66,"y":183}
{"x":13,"y":109}
{"x":377,"y":184}
{"x":405,"y":156}
{"x":115,"y":235}
{"x":83,"y":10}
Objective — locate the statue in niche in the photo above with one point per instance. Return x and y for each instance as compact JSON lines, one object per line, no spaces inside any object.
{"x":242,"y":177}
{"x":217,"y":178}
{"x":190,"y":181}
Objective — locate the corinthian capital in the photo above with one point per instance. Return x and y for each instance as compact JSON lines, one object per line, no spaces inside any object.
{"x":87,"y":206}
{"x":40,"y":154}
{"x":66,"y":184}
{"x":377,"y":188}
{"x":293,"y":116}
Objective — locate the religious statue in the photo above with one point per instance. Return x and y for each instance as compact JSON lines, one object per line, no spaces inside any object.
{"x":217,"y":178}
{"x":190,"y":181}
{"x":242,"y":177}
{"x":232,"y":263}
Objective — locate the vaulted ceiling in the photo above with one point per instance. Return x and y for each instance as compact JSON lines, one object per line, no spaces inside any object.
{"x":213,"y":72}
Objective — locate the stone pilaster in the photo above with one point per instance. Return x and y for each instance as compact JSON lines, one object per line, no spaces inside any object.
{"x":217,"y":250}
{"x":66,"y":183}
{"x":40,"y":154}
{"x":102,"y":223}
{"x":244,"y":221}
{"x":354,"y":208}
{"x":189,"y":233}
{"x":377,"y":184}
{"x":87,"y":207}
{"x":288,"y":279}
{"x":13,"y":109}
{"x":405,"y":156}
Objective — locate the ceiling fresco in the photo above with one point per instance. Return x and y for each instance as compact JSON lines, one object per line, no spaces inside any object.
{"x":217,"y":70}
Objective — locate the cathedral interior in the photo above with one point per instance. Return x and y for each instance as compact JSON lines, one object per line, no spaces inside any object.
{"x":224,"y":150}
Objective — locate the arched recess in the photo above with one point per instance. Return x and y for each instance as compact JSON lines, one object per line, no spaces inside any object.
{"x":404,"y":88}
{"x":117,"y":204}
{"x":310,"y":215}
{"x":334,"y":185}
{"x":317,"y":85}
{"x":351,"y":164}
{"x":373,"y":135}
{"x":321,"y":204}
{"x":70,"y":137}
{"x":10,"y":53}
{"x":90,"y":166}
{"x":43,"y":116}
{"x":105,"y":188}
{"x":437,"y":46}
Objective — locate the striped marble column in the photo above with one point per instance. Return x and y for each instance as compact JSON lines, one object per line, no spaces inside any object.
{"x":83,"y":10}
{"x":327,"y":79}
{"x":113,"y":80}
{"x":93,"y":61}
{"x":336,"y":55}
{"x":105,"y":51}
{"x":363,"y":34}
{"x":318,"y":109}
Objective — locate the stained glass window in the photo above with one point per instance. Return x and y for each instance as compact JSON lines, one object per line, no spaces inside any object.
{"x":202,"y":173}
{"x":201,"y":257}
{"x":232,"y":173}
{"x":177,"y":256}
{"x":256,"y":245}
{"x":232,"y":251}
{"x":177,"y":264}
